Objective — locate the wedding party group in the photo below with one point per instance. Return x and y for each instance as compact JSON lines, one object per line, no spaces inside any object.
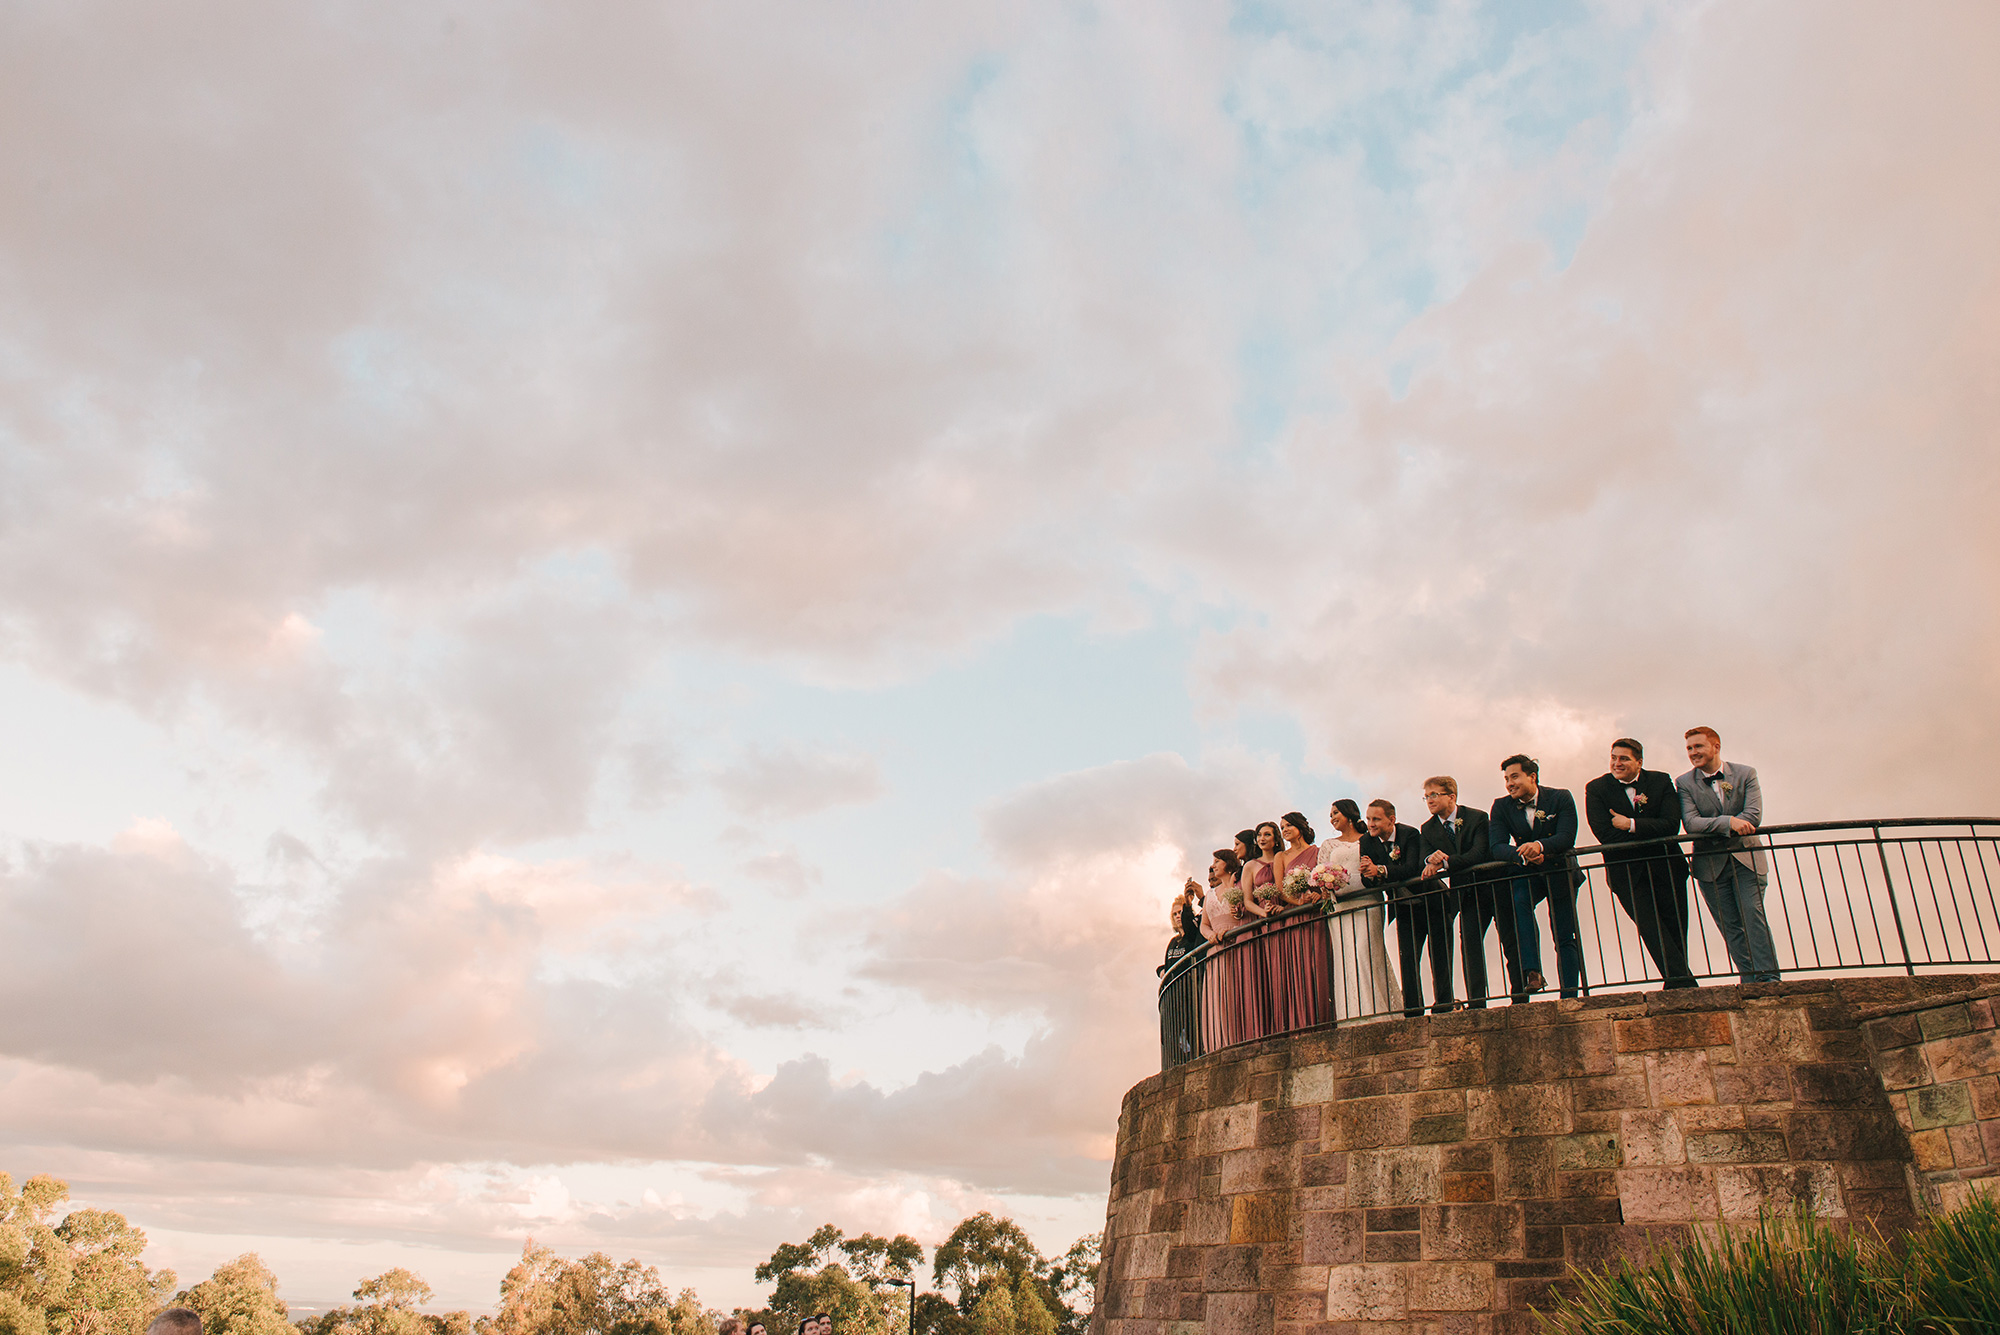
{"x":1483,"y":870}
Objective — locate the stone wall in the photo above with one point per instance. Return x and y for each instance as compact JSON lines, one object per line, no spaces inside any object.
{"x":1940,"y":1064}
{"x":1440,"y":1174}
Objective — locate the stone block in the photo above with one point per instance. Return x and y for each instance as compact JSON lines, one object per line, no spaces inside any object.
{"x":1982,"y":1013}
{"x":1968,"y":1150}
{"x":1208,"y":1222}
{"x":1902,"y":1068}
{"x":1742,"y":1193}
{"x":1736,"y":1147}
{"x":1862,"y":1133}
{"x":1398,"y":1219}
{"x":1555,"y":1052}
{"x":1602,"y":1093}
{"x":1445,"y":1286}
{"x":1368,"y":1293}
{"x":1945,"y":1022}
{"x":1279,"y":1127}
{"x":1831,"y":1085}
{"x":1931,"y":1151}
{"x":1403,"y":1176}
{"x":1467,"y":1187}
{"x":1754,"y":1084}
{"x":1236,"y":1314}
{"x":1595,"y":1246}
{"x":1145,"y":1256}
{"x":1309,"y":1085}
{"x":1545,"y":1240}
{"x":1590,"y":1182}
{"x":1231,"y":1127}
{"x":1438,"y":1128}
{"x":1261,"y":1218}
{"x":1940,"y":1105}
{"x":1391,"y":1246}
{"x":1369,"y":1123}
{"x":1679,"y":1077}
{"x":1473,"y":1232}
{"x":1990,"y":1133}
{"x":1476,"y":1157}
{"x":1323,"y":1170}
{"x":1592,"y":1151}
{"x":1766,"y":1036}
{"x":1166,"y":1217}
{"x":1258,"y":1170}
{"x":1524,"y":1168}
{"x":1696,"y":1029}
{"x":1652,"y":1139}
{"x":1892,"y":1031}
{"x":1667,"y":1195}
{"x":1227,"y":1269}
{"x":1962,"y":1058}
{"x":1695,"y":1117}
{"x":1333,"y":1238}
{"x":1985,"y":1091}
{"x":1572,"y":1210}
{"x":1517,"y":1110}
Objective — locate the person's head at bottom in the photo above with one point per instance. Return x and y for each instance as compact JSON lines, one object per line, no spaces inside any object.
{"x":175,"y":1321}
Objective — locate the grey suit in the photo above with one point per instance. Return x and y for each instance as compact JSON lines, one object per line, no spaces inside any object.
{"x":1730,"y":868}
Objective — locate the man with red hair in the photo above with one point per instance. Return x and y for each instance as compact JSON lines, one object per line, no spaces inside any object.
{"x":1722,"y":801}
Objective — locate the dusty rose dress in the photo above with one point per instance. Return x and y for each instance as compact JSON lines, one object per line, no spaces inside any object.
{"x":1238,"y":976}
{"x":1298,"y":961}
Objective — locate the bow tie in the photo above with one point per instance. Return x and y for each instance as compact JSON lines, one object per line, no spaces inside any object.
{"x":1713,"y":778}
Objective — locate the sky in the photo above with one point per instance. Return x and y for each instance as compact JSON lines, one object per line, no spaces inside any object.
{"x":617,"y":621}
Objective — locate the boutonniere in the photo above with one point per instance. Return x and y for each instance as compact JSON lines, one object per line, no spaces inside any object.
{"x":1395,"y":852}
{"x":1535,"y":815}
{"x":1728,"y":787}
{"x":1639,"y":800}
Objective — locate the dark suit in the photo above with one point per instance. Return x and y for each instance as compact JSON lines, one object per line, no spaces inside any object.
{"x":1554,"y":826}
{"x":1650,"y":883}
{"x":1478,"y":900}
{"x":1403,"y":856}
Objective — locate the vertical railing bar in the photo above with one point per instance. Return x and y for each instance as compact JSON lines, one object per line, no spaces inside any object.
{"x":1923,"y":936}
{"x":1826,"y":898}
{"x":1958,"y":909}
{"x":1812,"y":928}
{"x":1979,"y":855}
{"x":1894,"y":909}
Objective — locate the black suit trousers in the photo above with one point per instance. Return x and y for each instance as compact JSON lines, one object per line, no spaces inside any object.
{"x":1655,"y":898}
{"x":1480,"y":905}
{"x":1424,"y":915}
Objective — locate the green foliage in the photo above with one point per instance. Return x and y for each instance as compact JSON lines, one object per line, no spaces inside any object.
{"x":240,"y":1298}
{"x":994,"y":1313}
{"x":847,"y":1278}
{"x":388,"y":1306}
{"x":80,"y":1275}
{"x":1800,"y":1275}
{"x":1954,"y":1269}
{"x":546,"y":1295}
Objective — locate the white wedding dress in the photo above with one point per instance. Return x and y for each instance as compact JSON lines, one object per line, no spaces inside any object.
{"x":1364,"y":985}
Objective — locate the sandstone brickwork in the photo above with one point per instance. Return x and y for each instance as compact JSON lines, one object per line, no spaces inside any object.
{"x":1441,"y":1174}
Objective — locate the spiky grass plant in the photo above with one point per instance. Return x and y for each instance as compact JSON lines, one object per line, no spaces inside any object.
{"x":1787,"y":1275}
{"x":1954,"y":1270}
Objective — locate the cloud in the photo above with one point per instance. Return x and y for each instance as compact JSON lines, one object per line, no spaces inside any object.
{"x":787,"y":782}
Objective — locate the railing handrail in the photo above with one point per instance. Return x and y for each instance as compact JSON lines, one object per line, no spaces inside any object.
{"x":1483,"y":871}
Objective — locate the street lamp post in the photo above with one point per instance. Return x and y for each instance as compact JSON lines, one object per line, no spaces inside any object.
{"x":911,"y":1285}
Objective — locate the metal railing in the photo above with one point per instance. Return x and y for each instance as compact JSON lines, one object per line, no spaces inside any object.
{"x":1885,"y":895}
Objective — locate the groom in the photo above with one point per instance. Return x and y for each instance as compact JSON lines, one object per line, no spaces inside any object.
{"x":1535,"y":827}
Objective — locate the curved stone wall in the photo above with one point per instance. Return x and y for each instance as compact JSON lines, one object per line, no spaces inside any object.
{"x":1440,"y":1174}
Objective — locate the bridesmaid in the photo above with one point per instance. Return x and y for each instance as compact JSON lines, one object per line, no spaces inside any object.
{"x":1302,"y":965}
{"x":1246,"y":845}
{"x":1262,"y":870}
{"x":1228,"y":1007}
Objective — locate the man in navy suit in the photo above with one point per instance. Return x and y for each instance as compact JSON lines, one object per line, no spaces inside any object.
{"x":1392,"y":858}
{"x":1536,"y":828}
{"x":1631,"y":808}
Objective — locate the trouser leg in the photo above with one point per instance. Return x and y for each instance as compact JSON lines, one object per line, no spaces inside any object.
{"x":1411,"y":928}
{"x":1720,"y":896}
{"x":1440,"y":905}
{"x":1563,"y":928}
{"x":1507,"y":923}
{"x":1757,"y":942}
{"x":1522,"y":893}
{"x":1472,"y":919}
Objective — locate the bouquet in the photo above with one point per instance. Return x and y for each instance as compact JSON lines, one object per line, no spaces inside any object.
{"x":1233,"y":897}
{"x":1297,"y":884}
{"x":1329,"y":881}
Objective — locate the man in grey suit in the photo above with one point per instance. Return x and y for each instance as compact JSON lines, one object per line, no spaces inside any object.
{"x":1723,"y":802}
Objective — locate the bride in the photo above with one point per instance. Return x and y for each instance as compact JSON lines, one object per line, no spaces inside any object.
{"x":1363,"y":985}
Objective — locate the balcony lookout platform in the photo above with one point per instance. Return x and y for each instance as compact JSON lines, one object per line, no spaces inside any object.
{"x":1441,"y":1173}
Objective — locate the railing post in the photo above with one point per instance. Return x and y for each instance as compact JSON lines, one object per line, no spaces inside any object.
{"x":1897,"y":913}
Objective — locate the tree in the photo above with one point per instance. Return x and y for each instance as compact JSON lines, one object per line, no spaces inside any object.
{"x":841,"y":1276}
{"x":240,"y":1298}
{"x":388,"y":1306}
{"x":1031,"y":1314}
{"x":995,"y":1313}
{"x":546,"y":1295}
{"x":79,"y":1276}
{"x":1074,"y":1279}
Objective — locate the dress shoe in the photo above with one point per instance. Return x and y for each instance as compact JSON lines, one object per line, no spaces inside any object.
{"x":1537,"y":983}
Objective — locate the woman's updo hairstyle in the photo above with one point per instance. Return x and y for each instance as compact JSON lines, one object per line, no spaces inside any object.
{"x":1230,"y":862}
{"x":1301,"y":824}
{"x":1347,"y":807}
{"x":1277,"y":838}
{"x":1247,"y":838}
